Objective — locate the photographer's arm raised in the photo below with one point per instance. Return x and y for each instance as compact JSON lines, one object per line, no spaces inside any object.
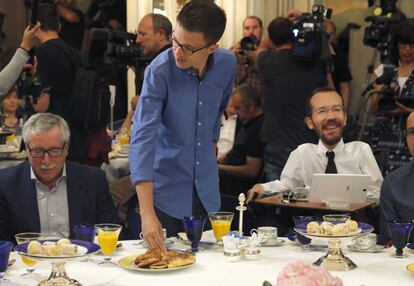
{"x":42,"y":103}
{"x":67,"y":14}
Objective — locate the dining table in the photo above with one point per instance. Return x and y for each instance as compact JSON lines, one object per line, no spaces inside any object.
{"x":212,"y":269}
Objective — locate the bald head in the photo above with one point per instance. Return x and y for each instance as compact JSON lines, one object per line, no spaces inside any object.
{"x":410,"y":133}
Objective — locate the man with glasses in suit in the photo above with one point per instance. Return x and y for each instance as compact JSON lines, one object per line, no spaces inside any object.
{"x":396,"y":200}
{"x":47,"y":193}
{"x":177,"y":123}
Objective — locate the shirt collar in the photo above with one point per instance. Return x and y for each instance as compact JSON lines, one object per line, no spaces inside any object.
{"x":33,"y":176}
{"x":321,"y":149}
{"x":209,"y":64}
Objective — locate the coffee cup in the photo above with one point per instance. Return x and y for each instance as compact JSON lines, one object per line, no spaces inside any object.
{"x":266,"y":234}
{"x":366,"y":241}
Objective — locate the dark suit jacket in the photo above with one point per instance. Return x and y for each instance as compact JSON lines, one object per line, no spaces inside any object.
{"x":88,"y":199}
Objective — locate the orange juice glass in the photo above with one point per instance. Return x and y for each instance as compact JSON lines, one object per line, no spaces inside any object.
{"x":108,"y":234}
{"x":27,"y":237}
{"x":221,"y":223}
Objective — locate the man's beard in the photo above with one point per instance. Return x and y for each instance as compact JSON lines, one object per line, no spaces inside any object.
{"x":333,"y":140}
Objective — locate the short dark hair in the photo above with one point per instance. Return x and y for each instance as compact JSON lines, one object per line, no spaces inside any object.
{"x":48,"y":16}
{"x":308,"y":107}
{"x":204,"y":17}
{"x":280,"y":31}
{"x":160,"y":22}
{"x":256,"y":18}
{"x":248,"y":94}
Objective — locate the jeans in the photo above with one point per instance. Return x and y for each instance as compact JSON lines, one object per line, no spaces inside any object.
{"x":275,"y":158}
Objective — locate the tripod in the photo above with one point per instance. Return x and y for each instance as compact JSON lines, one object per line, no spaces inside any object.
{"x":362,"y":101}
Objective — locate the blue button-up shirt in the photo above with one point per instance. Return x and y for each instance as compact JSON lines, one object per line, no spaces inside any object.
{"x":176,"y":122}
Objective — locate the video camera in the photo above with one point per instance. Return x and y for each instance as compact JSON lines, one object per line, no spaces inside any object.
{"x":249,"y":43}
{"x":311,"y":40}
{"x":379,"y":36}
{"x":120,"y":46}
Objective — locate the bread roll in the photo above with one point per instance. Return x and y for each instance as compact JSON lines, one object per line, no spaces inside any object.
{"x":34,"y":247}
{"x":313,"y":227}
{"x":340,"y":229}
{"x":63,"y":241}
{"x":352,"y":225}
{"x":69,"y":249}
{"x":52,"y":250}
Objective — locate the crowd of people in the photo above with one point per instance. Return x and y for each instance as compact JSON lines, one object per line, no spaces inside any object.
{"x":206,"y":121}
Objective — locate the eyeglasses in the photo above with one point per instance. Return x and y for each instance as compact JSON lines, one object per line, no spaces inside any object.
{"x":323,"y":111}
{"x":186,"y":49}
{"x":405,"y":46}
{"x":409,"y":132}
{"x":40,"y":152}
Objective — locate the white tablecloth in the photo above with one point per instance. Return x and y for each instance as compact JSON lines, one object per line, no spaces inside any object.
{"x":374,"y":269}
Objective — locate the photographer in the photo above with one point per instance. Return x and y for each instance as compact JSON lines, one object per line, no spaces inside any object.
{"x":72,"y":21}
{"x":11,"y":72}
{"x":283,"y":129}
{"x":246,"y":53}
{"x":106,"y":14}
{"x":391,"y":101}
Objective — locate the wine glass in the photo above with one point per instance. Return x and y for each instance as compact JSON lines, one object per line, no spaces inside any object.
{"x":194,"y":226}
{"x":220,"y":222}
{"x":304,"y":241}
{"x":400,"y":231}
{"x":84,"y":231}
{"x":27,"y":237}
{"x":5,"y":248}
{"x":108,"y":234}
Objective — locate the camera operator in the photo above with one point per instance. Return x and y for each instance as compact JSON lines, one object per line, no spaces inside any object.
{"x":246,"y":53}
{"x":283,"y":128}
{"x":72,"y":21}
{"x":106,"y":14}
{"x":154,"y":37}
{"x":394,"y":101}
{"x":11,"y":72}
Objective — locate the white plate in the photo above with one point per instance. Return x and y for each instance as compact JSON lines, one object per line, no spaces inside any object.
{"x":273,"y":242}
{"x":122,"y":155}
{"x":374,"y":249}
{"x":128,"y":263}
{"x":168,"y":242}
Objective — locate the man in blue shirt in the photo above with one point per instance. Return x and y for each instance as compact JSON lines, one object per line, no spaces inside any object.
{"x":177,"y":123}
{"x":397,"y":197}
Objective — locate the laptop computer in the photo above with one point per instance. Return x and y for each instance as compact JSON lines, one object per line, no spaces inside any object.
{"x":340,"y":188}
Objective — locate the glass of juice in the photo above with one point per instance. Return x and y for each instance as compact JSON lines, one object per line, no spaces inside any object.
{"x":108,"y":234}
{"x":220,"y":222}
{"x":27,"y":237}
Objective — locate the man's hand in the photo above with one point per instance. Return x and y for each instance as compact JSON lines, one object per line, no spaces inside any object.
{"x":257,"y":189}
{"x":30,"y":37}
{"x":293,"y":14}
{"x":152,"y":232}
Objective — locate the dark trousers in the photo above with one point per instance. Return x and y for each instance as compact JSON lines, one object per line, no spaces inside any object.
{"x":275,"y":158}
{"x":174,"y":225}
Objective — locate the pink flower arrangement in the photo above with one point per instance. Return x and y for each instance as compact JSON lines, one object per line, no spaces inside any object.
{"x":298,"y":273}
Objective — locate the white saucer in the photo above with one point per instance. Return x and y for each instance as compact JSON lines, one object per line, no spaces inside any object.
{"x":273,"y":242}
{"x":373,"y":249}
{"x":122,"y":155}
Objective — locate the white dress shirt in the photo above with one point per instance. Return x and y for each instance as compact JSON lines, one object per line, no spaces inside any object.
{"x":227,"y":134}
{"x":307,"y":159}
{"x":53,"y":206}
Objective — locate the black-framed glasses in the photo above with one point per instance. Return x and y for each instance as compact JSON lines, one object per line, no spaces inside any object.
{"x":405,"y":46}
{"x":409,"y":132}
{"x":186,"y":49}
{"x":40,"y":152}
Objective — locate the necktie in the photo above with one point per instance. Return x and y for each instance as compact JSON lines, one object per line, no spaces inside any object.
{"x":330,"y":167}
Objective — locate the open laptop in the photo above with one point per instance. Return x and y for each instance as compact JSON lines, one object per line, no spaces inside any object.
{"x":341,"y":188}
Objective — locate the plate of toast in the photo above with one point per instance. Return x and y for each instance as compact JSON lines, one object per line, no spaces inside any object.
{"x":157,"y":261}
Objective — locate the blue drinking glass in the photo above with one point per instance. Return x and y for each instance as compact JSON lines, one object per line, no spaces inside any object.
{"x":400,"y":231}
{"x":84,"y":231}
{"x":304,"y":241}
{"x":194,"y":226}
{"x":5,"y":248}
